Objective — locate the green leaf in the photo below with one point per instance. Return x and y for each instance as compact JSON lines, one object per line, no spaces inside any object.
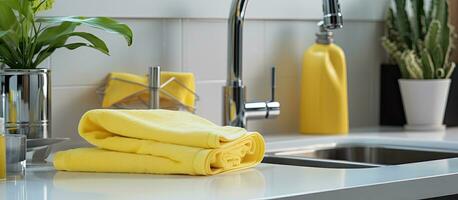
{"x":42,"y":56}
{"x":427,"y":64}
{"x":450,"y":69}
{"x":9,"y":44}
{"x":23,"y":8}
{"x":27,"y":11}
{"x":419,"y":19}
{"x":432,"y":37}
{"x":448,"y":42}
{"x":429,"y":16}
{"x":7,"y":23}
{"x":443,"y":17}
{"x":5,"y":55}
{"x":402,"y":22}
{"x":7,"y":17}
{"x":3,"y":33}
{"x":52,"y":33}
{"x":74,"y":46}
{"x":14,"y":4}
{"x":440,"y":11}
{"x":103,"y":23}
{"x":438,"y":57}
{"x":94,"y":42}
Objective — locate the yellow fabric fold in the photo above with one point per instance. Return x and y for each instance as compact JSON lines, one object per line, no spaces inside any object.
{"x":160,"y":142}
{"x":117,"y":90}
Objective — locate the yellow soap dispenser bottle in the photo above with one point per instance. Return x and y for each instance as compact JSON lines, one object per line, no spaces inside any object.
{"x":324,"y":99}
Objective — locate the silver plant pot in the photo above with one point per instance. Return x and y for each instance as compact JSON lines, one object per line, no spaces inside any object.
{"x":26,"y":102}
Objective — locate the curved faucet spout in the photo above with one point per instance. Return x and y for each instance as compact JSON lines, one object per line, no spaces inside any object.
{"x":236,"y":109}
{"x":332,"y":19}
{"x":235,"y":42}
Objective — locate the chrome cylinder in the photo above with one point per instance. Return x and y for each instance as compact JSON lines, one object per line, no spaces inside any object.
{"x":154,"y":87}
{"x":262,"y":110}
{"x":256,"y":110}
{"x":26,"y":102}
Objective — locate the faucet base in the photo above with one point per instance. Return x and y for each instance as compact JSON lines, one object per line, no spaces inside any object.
{"x":234,"y":106}
{"x":237,"y":110}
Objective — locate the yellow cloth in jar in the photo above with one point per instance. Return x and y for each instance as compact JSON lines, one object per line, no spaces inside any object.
{"x":118,"y":90}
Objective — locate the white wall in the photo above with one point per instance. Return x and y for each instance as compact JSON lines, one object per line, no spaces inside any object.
{"x":198,"y":45}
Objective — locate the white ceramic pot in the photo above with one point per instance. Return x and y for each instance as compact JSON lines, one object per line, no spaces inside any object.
{"x":424,"y":103}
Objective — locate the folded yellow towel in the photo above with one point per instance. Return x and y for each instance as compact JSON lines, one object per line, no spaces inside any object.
{"x":162,"y":142}
{"x":119,"y":91}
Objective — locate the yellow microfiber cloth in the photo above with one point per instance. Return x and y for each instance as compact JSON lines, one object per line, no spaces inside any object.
{"x":160,"y":142}
{"x":119,"y":91}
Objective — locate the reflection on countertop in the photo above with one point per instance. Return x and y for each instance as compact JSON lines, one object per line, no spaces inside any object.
{"x":45,"y":183}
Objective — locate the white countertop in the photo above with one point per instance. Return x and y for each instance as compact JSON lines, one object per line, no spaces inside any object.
{"x":410,"y":181}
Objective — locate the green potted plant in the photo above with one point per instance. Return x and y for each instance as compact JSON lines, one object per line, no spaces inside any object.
{"x":26,"y":41}
{"x":421,"y":46}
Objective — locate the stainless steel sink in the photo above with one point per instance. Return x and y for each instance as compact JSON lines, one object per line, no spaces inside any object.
{"x":356,"y":155}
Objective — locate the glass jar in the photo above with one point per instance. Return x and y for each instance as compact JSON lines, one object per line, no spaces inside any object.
{"x":15,"y":155}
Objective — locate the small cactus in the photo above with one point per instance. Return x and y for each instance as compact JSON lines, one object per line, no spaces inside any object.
{"x":412,"y":64}
{"x":420,"y":44}
{"x":427,"y":64}
{"x":396,"y":54}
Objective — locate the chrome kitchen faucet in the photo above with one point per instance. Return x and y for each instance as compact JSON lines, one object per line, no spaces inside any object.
{"x":236,"y":109}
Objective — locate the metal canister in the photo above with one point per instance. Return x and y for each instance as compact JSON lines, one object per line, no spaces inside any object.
{"x":26,"y":102}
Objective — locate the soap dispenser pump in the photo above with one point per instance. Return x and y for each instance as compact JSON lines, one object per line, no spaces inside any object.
{"x":324,"y":99}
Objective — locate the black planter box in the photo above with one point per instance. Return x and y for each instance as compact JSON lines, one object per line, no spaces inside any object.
{"x":391,"y":107}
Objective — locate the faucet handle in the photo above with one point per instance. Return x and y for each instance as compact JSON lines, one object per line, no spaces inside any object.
{"x":265,"y":109}
{"x":273,"y":83}
{"x":273,"y":107}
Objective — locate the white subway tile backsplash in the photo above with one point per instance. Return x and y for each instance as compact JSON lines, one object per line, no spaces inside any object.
{"x":68,"y":105}
{"x":361,"y":42}
{"x":200,"y":46}
{"x":288,"y":96}
{"x":88,"y":67}
{"x":256,"y":73}
{"x":286,"y":42}
{"x":205,"y":48}
{"x":213,"y":9}
{"x":210,"y":105}
{"x":172,"y":42}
